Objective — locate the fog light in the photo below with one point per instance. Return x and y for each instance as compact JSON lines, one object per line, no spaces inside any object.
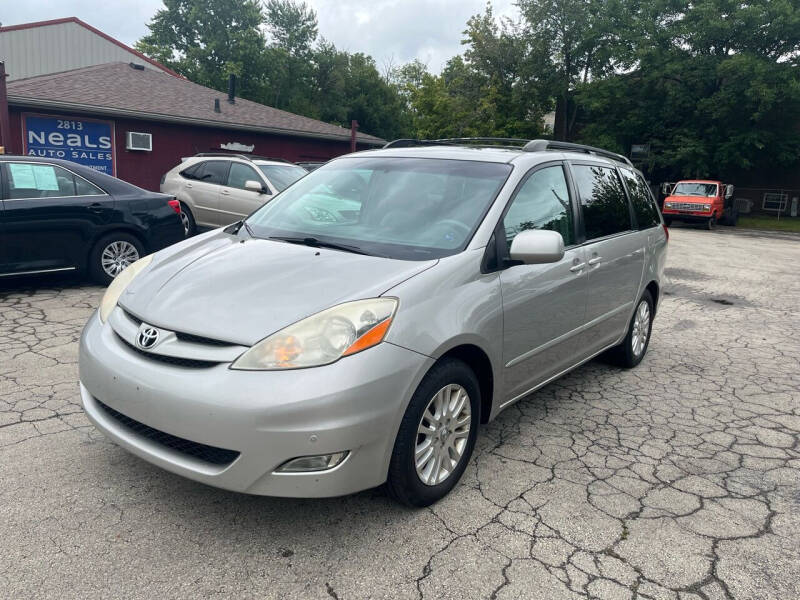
{"x":305,"y":464}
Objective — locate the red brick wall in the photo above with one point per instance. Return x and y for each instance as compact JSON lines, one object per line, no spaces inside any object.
{"x":172,"y":141}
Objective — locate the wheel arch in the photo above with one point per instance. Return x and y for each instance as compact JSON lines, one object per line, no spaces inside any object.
{"x":654,"y":290}
{"x":477,"y":360}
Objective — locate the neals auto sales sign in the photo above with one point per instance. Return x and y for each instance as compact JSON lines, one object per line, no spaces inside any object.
{"x":87,"y":142}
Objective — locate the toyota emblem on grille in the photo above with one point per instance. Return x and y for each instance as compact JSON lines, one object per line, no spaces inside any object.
{"x":147,"y":337}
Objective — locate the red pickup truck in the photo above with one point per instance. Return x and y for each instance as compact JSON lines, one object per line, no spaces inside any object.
{"x":700,"y":201}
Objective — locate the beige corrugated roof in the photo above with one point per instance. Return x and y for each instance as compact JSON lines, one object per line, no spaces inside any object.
{"x":119,"y":89}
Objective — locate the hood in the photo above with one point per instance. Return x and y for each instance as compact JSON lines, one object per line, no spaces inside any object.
{"x":693,"y":199}
{"x":240,"y":290}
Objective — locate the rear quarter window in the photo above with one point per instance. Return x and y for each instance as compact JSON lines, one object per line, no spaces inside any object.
{"x":603,"y":201}
{"x":644,"y":207}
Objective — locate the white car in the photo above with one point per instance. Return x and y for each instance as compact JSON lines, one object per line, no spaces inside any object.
{"x":216,"y":190}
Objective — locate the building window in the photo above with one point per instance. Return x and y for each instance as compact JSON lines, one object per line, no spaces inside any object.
{"x":775,"y":201}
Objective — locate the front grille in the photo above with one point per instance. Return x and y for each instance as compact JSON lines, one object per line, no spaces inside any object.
{"x":184,"y":337}
{"x":189,"y":363}
{"x":209,"y":454}
{"x":689,"y":206}
{"x":196,"y":339}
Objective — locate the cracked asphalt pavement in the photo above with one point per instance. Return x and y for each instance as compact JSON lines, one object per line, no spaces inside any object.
{"x":677,"y":480}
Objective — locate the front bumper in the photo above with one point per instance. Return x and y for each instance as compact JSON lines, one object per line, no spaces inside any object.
{"x":268,"y":417}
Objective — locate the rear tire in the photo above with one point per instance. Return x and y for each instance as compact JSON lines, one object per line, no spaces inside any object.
{"x":633,"y":348}
{"x":187,"y":219}
{"x":431,"y":432}
{"x":112,"y":254}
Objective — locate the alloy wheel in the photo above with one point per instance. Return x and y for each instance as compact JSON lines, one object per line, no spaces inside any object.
{"x":185,"y":221}
{"x":117,"y":256}
{"x":641,"y":328}
{"x":442,"y":434}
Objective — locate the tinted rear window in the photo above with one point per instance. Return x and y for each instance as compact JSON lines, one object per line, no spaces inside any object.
{"x":603,"y":201}
{"x":644,"y":208}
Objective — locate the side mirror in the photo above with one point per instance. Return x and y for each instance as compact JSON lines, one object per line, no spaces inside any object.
{"x":729,"y":192}
{"x":254,"y":186}
{"x":665,"y":188}
{"x":537,"y":246}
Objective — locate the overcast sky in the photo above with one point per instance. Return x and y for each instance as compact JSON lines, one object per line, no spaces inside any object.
{"x":389,"y":30}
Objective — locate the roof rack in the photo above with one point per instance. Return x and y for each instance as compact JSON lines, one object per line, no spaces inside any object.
{"x":250,"y":157}
{"x":512,"y":143}
{"x":493,"y":142}
{"x":542,"y":145}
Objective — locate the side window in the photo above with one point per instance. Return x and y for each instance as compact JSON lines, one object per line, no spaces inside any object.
{"x":215,"y":171}
{"x":603,"y":201}
{"x":541,"y":203}
{"x":644,"y":207}
{"x":84,"y":188}
{"x":192,"y":172}
{"x":31,"y":180}
{"x":240,"y":173}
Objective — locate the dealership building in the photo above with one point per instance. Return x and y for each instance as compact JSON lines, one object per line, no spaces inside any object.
{"x":75,"y":93}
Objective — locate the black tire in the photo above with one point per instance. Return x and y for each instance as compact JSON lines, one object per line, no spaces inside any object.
{"x":96,"y":270}
{"x":624,"y":355}
{"x":189,"y":225}
{"x":403,"y":483}
{"x":668,"y":221}
{"x":711,"y":223}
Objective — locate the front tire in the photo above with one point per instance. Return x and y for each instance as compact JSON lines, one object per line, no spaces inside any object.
{"x":633,"y":348}
{"x":436,"y":436}
{"x":711,"y":223}
{"x":112,"y":254}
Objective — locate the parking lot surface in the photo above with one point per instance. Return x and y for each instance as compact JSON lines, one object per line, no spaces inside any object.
{"x":679,"y":479}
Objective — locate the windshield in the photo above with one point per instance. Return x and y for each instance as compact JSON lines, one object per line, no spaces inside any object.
{"x":408,"y":208}
{"x":688,"y":188}
{"x":282,"y":176}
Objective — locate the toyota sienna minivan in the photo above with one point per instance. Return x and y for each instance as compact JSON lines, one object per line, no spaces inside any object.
{"x":358,"y":329}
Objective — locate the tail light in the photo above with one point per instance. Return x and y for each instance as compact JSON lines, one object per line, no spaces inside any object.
{"x":176,"y":206}
{"x":666,"y":231}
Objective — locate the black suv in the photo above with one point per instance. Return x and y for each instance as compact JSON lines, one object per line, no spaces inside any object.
{"x":56,"y":215}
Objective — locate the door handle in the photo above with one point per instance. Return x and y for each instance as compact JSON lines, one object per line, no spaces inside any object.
{"x":96,"y":207}
{"x":577,"y":268}
{"x":225,"y":192}
{"x":595,"y":260}
{"x":188,"y":185}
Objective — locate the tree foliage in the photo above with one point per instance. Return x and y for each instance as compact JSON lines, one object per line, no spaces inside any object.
{"x":281,"y":61}
{"x":712,"y":85}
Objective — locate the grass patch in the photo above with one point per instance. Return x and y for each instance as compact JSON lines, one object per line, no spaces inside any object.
{"x":771,"y":223}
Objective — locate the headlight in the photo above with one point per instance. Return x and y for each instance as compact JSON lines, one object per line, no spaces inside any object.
{"x":322,"y":338}
{"x":121,"y":281}
{"x":668,"y":204}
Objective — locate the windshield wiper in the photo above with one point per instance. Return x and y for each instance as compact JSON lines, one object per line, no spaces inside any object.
{"x":315,"y":243}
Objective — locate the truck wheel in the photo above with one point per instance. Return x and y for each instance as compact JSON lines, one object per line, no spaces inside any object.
{"x":436,"y":436}
{"x":711,"y":223}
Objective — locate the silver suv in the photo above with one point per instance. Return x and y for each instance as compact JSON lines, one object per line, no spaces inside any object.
{"x":358,"y":329}
{"x":217,"y":189}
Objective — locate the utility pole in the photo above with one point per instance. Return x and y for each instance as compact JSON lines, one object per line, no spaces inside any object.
{"x":5,"y":124}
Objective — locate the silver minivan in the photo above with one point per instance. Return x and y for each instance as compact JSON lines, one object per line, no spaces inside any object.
{"x":358,"y":329}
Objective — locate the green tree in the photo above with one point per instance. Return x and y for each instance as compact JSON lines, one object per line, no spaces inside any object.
{"x":715,"y":90}
{"x":206,"y":40}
